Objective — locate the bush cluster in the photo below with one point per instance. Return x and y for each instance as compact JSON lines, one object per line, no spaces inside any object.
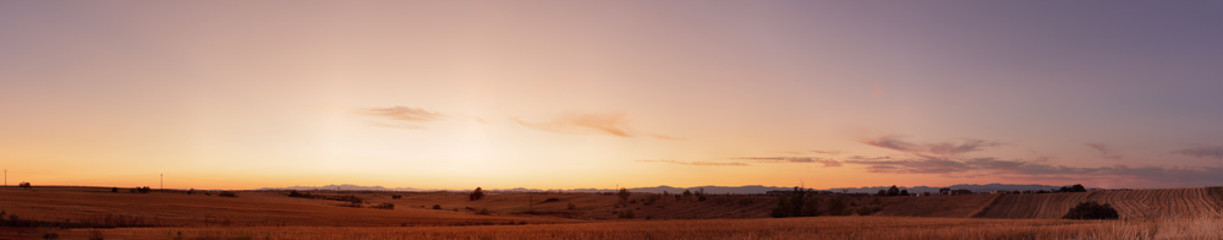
{"x":144,"y":189}
{"x":798,"y":203}
{"x":1092,"y":210}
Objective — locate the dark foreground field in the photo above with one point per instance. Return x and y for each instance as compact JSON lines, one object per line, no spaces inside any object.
{"x":785,"y":228}
{"x":92,"y":212}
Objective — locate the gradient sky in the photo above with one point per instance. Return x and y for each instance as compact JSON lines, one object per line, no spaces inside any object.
{"x":572,"y":94}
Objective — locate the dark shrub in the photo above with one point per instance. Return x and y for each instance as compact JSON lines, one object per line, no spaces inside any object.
{"x":95,"y":235}
{"x":295,"y":193}
{"x":837,"y":207}
{"x":1075,"y":188}
{"x":114,"y":189}
{"x":623,"y":194}
{"x":396,"y":196}
{"x":227,"y":194}
{"x":649,"y":200}
{"x":868,"y":210}
{"x":1092,"y":210}
{"x":437,"y":207}
{"x":572,"y":207}
{"x":483,"y":211}
{"x":551,"y":200}
{"x":24,"y":184}
{"x":626,"y":214}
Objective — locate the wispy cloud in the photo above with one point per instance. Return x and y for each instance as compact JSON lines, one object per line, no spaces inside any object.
{"x":974,"y":167}
{"x":695,"y":163}
{"x":827,"y":152}
{"x":1104,"y":150}
{"x":402,"y":117}
{"x":895,"y":142}
{"x":825,"y":162}
{"x":1202,"y":152}
{"x":612,"y":124}
{"x":665,"y":137}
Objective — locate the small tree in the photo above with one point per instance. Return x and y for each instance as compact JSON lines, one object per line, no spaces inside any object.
{"x":904,"y":192}
{"x":476,"y":195}
{"x":1092,"y":210}
{"x":623,"y":194}
{"x":24,"y":185}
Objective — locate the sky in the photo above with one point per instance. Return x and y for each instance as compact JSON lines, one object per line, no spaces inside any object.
{"x":603,"y":94}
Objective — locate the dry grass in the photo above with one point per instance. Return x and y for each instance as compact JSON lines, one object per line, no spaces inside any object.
{"x":898,"y":228}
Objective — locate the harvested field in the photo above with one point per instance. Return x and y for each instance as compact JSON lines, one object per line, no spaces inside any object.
{"x":1049,"y":205}
{"x":1160,"y":203}
{"x":965,"y":205}
{"x":1136,"y":204}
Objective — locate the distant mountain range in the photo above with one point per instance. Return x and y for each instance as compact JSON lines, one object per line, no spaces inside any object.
{"x":750,"y":189}
{"x":345,"y":187}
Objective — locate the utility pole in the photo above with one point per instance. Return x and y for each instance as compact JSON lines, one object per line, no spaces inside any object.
{"x":163,"y":181}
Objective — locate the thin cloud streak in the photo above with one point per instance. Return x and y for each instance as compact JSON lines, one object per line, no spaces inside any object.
{"x":402,"y":117}
{"x":895,"y":142}
{"x":834,"y":153}
{"x":401,"y":113}
{"x":825,"y":162}
{"x":1202,"y":152}
{"x":1104,"y":150}
{"x":611,"y":124}
{"x":695,"y":163}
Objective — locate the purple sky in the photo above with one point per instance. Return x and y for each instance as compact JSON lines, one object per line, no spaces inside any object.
{"x":633,"y":93}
